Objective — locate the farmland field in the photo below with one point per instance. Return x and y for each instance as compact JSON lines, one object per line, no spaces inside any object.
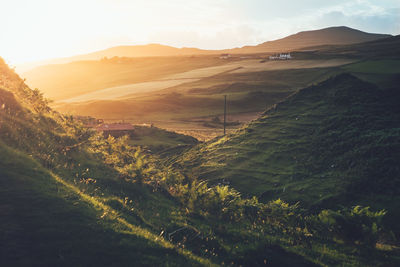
{"x":129,"y":89}
{"x":186,"y":95}
{"x":256,"y":66}
{"x":375,"y":66}
{"x":186,"y":102}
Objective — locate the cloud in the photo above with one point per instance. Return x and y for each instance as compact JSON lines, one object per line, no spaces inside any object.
{"x":383,"y":21}
{"x":370,"y":16}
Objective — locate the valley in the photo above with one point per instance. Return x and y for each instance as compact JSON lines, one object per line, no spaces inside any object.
{"x":190,"y":85}
{"x":119,"y":157}
{"x":183,"y":98}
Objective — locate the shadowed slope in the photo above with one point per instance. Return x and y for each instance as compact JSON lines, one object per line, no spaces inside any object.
{"x":336,"y":140}
{"x":44,"y":223}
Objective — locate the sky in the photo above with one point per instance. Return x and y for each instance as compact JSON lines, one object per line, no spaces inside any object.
{"x":44,"y":29}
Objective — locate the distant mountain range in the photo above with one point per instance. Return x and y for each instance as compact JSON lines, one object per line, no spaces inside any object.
{"x":328,"y":36}
{"x":149,"y":50}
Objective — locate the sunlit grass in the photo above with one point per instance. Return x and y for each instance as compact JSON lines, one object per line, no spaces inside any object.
{"x":122,"y":225}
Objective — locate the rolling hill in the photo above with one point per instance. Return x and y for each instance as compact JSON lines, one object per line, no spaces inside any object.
{"x":330,"y":144}
{"x":327,"y":36}
{"x":386,"y":48}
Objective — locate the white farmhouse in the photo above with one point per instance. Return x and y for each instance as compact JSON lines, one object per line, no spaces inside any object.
{"x":281,"y":56}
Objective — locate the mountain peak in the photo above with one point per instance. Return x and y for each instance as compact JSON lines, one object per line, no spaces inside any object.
{"x":337,"y":35}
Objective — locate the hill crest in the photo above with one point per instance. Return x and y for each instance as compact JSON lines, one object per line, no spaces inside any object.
{"x":340,"y":35}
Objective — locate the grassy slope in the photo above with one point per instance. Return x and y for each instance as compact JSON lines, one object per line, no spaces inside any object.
{"x":159,"y":140}
{"x":150,"y":212}
{"x":333,"y":143}
{"x":80,"y":209}
{"x":61,"y":219}
{"x":387,"y":48}
{"x":375,"y":66}
{"x":45,"y":223}
{"x":383,"y":72}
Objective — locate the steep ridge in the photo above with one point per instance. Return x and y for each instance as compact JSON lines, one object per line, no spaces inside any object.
{"x":332,"y":143}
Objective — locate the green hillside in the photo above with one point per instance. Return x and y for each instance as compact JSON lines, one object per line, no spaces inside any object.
{"x":333,"y":143}
{"x":62,"y":205}
{"x":384,"y":48}
{"x":45,"y":223}
{"x":70,"y":197}
{"x":160,"y":141}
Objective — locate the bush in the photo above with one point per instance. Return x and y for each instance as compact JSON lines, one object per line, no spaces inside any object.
{"x":358,"y":225}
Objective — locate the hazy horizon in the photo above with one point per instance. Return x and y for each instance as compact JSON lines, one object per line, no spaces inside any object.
{"x":44,"y":29}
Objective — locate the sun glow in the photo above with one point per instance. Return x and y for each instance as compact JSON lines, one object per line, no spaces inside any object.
{"x":38,"y":30}
{"x":43,"y":29}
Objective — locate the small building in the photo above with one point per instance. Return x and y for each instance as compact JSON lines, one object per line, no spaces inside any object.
{"x":87,"y":121}
{"x":281,"y":56}
{"x":225,"y":56}
{"x":115,"y":129}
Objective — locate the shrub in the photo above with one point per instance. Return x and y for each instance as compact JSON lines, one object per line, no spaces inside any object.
{"x":358,"y":225}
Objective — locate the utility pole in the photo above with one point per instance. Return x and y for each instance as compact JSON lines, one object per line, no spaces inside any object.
{"x":225,"y":115}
